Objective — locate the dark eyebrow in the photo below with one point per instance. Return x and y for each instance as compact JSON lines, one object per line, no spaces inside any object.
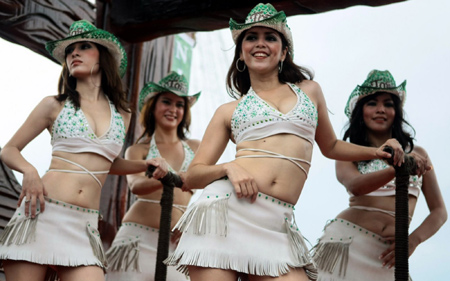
{"x":266,"y":32}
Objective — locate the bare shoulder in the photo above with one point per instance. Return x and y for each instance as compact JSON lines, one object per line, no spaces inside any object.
{"x":312,"y":89}
{"x":137,"y":151}
{"x":126,"y":116}
{"x":193,"y":144}
{"x":309,"y":85}
{"x":225,"y":111}
{"x":420,"y":150}
{"x":50,"y":106}
{"x":51,"y":102}
{"x":228,"y":107}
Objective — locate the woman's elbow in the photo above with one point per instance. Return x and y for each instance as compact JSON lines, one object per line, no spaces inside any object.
{"x":189,"y":180}
{"x":329,"y":150}
{"x":355,"y":192}
{"x":355,"y":189}
{"x":192,"y":182}
{"x":443,"y":215}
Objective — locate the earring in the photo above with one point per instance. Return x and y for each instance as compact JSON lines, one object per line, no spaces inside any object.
{"x":237,"y":66}
{"x":92,"y":80}
{"x":280,"y":67}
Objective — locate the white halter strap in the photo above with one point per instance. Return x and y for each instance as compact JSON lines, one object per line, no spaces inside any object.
{"x":177,"y":206}
{"x":372,"y":209}
{"x":275,"y":155}
{"x":85,"y":171}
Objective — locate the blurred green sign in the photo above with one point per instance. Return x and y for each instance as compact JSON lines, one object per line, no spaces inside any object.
{"x":182,"y":55}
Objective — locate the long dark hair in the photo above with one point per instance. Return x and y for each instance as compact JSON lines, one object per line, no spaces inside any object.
{"x":238,"y":83}
{"x":148,"y":120}
{"x":111,"y":82}
{"x":357,"y":130}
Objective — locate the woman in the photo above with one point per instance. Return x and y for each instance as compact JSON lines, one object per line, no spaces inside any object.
{"x":359,"y":244}
{"x":55,"y":224}
{"x":243,"y":222}
{"x":165,"y":118}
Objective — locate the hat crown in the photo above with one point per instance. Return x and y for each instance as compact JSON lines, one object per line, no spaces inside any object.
{"x":176,"y":82}
{"x":379,"y":79}
{"x":264,"y":15}
{"x":261,"y":12}
{"x":376,"y":81}
{"x":81,"y":26}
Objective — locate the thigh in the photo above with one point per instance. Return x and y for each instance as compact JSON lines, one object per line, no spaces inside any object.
{"x":85,"y":273}
{"x":23,"y":270}
{"x":197,"y":273}
{"x":295,"y":274}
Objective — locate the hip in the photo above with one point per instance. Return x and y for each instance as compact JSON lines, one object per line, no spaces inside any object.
{"x":377,"y":222}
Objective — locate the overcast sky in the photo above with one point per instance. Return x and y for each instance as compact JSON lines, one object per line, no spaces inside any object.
{"x":411,"y":39}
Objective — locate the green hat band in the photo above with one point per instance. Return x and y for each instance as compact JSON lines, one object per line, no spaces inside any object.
{"x":172,"y":83}
{"x":264,"y":15}
{"x":377,"y":81}
{"x":85,"y":31}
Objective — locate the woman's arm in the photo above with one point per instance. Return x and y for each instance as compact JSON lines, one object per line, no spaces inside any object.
{"x":436,"y":205}
{"x":139,"y":183}
{"x":360,"y":184}
{"x":202,"y":169}
{"x":193,"y":144}
{"x":122,"y":166}
{"x":336,"y":149}
{"x":40,"y":118}
{"x":432,"y":223}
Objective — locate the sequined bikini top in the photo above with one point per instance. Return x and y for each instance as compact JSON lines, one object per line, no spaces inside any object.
{"x":153,"y":152}
{"x":415,"y":182}
{"x":71,"y":133}
{"x":254,"y":118}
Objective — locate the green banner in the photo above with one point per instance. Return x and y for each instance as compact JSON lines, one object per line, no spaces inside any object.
{"x":182,"y":54}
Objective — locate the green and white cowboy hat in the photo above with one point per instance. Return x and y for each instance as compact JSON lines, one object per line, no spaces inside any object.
{"x":264,"y":15}
{"x":172,"y":83}
{"x":83,"y":30}
{"x":377,"y":81}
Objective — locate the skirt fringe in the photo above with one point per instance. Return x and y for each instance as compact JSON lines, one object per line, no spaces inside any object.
{"x":330,"y":256}
{"x":222,"y":231}
{"x":300,"y":249}
{"x":56,"y":237}
{"x":124,"y":257}
{"x":19,"y":231}
{"x":209,"y":216}
{"x":96,"y":244}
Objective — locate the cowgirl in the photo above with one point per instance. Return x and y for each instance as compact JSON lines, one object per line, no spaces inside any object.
{"x":243,"y":222}
{"x":55,"y":225}
{"x":359,"y":243}
{"x":165,"y":118}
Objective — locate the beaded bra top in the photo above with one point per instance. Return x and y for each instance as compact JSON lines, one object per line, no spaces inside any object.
{"x":71,"y":133}
{"x":414,"y":187}
{"x":254,"y":118}
{"x":153,"y":152}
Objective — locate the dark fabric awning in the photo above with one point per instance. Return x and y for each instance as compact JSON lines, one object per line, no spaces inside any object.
{"x":137,"y":21}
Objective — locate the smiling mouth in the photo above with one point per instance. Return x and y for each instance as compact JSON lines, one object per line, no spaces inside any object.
{"x":260,"y":55}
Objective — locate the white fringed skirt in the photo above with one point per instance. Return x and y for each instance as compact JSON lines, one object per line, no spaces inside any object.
{"x":222,"y":231}
{"x":132,"y":255}
{"x":349,"y":252}
{"x":63,"y":235}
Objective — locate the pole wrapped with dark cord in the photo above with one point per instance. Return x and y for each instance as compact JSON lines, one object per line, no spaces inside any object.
{"x":402,"y":175}
{"x":169,"y":181}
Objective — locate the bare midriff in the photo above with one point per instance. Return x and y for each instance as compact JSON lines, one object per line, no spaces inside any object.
{"x":375,"y":221}
{"x":149,"y":214}
{"x":77,"y":189}
{"x":275,"y":176}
